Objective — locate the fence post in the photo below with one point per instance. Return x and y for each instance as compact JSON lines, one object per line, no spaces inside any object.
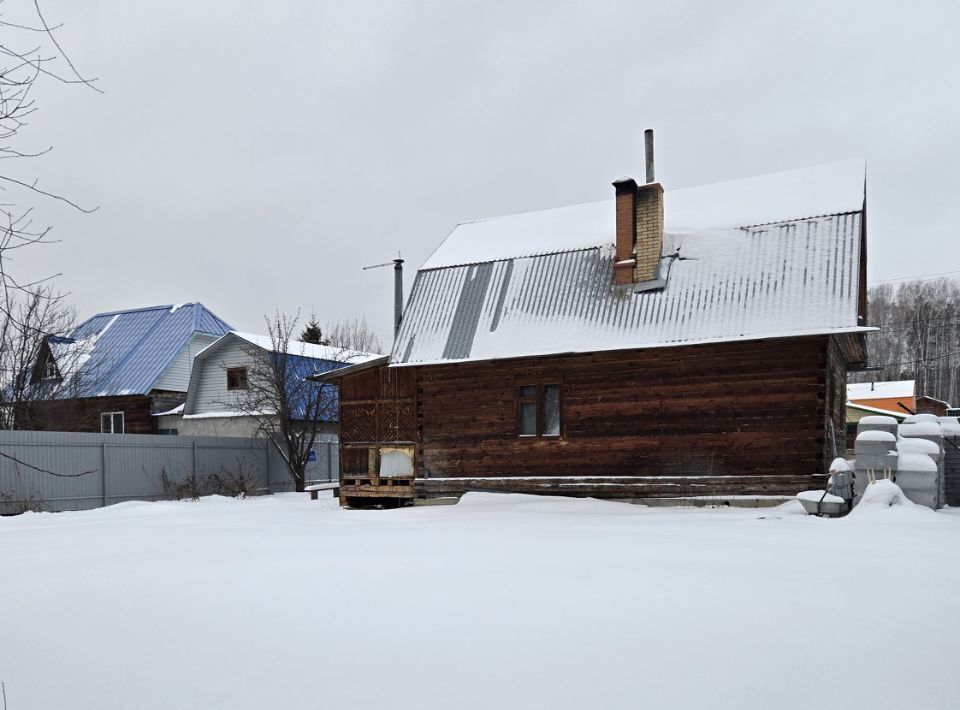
{"x":194,"y":458}
{"x":266,"y":454}
{"x":103,"y":474}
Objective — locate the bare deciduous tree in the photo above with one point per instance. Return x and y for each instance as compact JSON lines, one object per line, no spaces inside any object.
{"x":29,"y":311}
{"x":28,"y":54}
{"x":919,"y":336}
{"x":290,"y":409}
{"x":27,"y":374}
{"x":353,"y":334}
{"x":43,"y":369}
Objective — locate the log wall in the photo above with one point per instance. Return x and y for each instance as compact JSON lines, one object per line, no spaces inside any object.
{"x":744,"y":408}
{"x":83,"y":414}
{"x":835,"y":422}
{"x":377,"y":408}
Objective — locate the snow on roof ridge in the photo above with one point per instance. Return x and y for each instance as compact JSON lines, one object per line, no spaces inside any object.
{"x":809,"y":192}
{"x":508,"y":215}
{"x":319,"y":352}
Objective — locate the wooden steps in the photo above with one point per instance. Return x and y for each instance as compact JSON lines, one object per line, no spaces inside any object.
{"x":370,"y":491}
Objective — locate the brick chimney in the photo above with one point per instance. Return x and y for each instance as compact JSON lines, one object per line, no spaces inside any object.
{"x":623,"y":267}
{"x":649,"y":226}
{"x":639,"y":225}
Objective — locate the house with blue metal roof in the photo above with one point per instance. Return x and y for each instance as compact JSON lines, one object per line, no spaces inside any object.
{"x":116,"y":369}
{"x":224,"y":397}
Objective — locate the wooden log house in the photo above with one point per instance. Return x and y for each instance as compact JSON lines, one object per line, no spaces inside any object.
{"x":662,"y":345}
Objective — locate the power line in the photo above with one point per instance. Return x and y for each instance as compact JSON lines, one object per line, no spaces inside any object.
{"x":920,"y":277}
{"x":914,"y":361}
{"x":935,"y":326}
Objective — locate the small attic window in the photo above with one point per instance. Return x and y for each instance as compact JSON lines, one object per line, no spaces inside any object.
{"x":45,"y":370}
{"x":50,"y":370}
{"x":236,"y":378}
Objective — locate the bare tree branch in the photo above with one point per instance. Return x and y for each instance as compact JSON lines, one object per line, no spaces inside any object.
{"x":352,"y":334}
{"x":66,"y":57}
{"x":919,"y":336}
{"x":20,"y":70}
{"x":288,"y":408}
{"x":36,"y":189}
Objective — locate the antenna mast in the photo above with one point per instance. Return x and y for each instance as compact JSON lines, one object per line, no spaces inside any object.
{"x":397,"y":290}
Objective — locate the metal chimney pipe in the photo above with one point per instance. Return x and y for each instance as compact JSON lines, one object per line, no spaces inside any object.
{"x":397,"y":295}
{"x":648,"y":149}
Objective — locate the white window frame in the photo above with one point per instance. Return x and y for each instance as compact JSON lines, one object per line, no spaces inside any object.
{"x":50,"y":370}
{"x":111,"y":416}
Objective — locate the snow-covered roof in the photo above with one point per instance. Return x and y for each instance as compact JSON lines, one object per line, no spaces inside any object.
{"x":928,"y":398}
{"x":228,"y":414}
{"x":310,"y":350}
{"x":877,"y":410}
{"x":176,"y":410}
{"x":305,"y":360}
{"x":834,"y":188}
{"x":880,"y":390}
{"x":767,"y":257}
{"x":352,"y":369}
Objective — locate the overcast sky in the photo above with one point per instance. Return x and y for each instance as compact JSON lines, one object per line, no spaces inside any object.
{"x":254,"y":156}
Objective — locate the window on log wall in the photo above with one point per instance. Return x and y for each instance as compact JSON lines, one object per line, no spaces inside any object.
{"x":538,"y":410}
{"x":111,"y":422}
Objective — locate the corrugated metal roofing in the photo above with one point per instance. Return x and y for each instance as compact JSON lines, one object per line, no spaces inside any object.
{"x":788,"y":278}
{"x":124,"y":352}
{"x":833,"y":188}
{"x":762,"y":257}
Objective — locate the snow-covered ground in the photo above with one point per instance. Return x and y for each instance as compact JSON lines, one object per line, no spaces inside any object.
{"x":499,"y":602}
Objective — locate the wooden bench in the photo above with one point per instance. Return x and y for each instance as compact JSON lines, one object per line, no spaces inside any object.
{"x":315,"y":489}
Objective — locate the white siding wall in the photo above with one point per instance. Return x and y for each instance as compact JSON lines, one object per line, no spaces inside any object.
{"x":212,"y":394}
{"x":176,"y":377}
{"x":232,"y":426}
{"x":212,"y":426}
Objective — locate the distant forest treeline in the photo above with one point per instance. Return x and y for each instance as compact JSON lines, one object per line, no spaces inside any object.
{"x":919,"y":337}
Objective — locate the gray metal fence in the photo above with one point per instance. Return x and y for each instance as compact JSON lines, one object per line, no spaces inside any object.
{"x":55,"y":471}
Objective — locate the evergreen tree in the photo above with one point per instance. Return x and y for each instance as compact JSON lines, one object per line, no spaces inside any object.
{"x":312,"y":333}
